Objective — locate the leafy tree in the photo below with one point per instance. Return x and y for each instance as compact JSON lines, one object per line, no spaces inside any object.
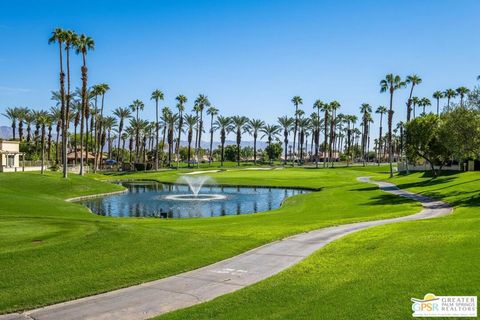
{"x":274,"y":151}
{"x":424,"y":141}
{"x":461,"y":132}
{"x":231,"y":151}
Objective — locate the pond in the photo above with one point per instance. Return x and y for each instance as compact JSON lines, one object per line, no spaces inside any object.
{"x":154,"y":199}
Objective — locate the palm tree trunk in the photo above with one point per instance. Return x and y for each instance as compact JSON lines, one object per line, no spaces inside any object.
{"x":43,"y":148}
{"x":390,"y":147}
{"x":211,"y":140}
{"x":156,"y":133}
{"x":255,"y":148}
{"x":180,"y":125}
{"x":295,"y":134}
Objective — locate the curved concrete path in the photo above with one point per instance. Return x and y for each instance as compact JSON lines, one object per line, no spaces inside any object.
{"x":186,"y":289}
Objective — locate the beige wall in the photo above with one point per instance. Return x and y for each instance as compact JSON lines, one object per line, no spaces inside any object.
{"x":9,"y":146}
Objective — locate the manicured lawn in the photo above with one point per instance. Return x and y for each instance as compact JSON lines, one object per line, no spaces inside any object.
{"x":51,"y":250}
{"x":372,"y":274}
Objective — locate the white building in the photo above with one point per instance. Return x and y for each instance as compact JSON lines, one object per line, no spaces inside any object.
{"x":10,"y":156}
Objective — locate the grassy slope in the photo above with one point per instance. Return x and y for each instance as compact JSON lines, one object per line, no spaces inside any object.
{"x":51,"y":250}
{"x":373,"y":274}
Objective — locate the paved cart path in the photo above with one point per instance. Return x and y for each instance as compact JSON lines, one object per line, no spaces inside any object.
{"x":186,"y":289}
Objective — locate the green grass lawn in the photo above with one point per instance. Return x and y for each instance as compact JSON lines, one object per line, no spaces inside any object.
{"x":52,"y":250}
{"x":372,"y":274}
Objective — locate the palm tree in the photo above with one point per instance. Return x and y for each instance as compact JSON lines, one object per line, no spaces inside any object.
{"x":391,"y":83}
{"x":326,"y":109}
{"x":365,"y":110}
{"x":201,"y":102}
{"x":101,"y":90}
{"x":59,"y":36}
{"x":42,"y":119}
{"x":171,"y":122}
{"x":21,"y":115}
{"x":224,"y":124}
{"x":424,"y":102}
{"x":286,"y":123}
{"x":12,"y":115}
{"x":317,"y":105}
{"x":334,"y":105}
{"x":28,"y":118}
{"x":190,"y":121}
{"x":181,"y":99}
{"x":109,"y":123}
{"x":462,"y":91}
{"x":136,"y":106}
{"x":449,"y":94}
{"x":239,"y":125}
{"x":415,"y":102}
{"x":438,"y":95}
{"x":270,"y":131}
{"x":212,"y":112}
{"x":253,"y":127}
{"x":413,"y":80}
{"x":156,"y":95}
{"x":303,"y":125}
{"x":296,"y":100}
{"x":381,"y":110}
{"x":122,"y":114}
{"x":82,"y":44}
{"x":351,"y":119}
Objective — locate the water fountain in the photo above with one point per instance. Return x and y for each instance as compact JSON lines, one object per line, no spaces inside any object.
{"x":195,"y":185}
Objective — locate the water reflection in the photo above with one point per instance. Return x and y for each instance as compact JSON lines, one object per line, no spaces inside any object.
{"x":146,"y":199}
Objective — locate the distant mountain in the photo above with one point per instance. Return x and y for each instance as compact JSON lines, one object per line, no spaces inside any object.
{"x":5,"y":132}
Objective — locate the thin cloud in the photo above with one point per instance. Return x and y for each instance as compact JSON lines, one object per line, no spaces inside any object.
{"x":10,"y":90}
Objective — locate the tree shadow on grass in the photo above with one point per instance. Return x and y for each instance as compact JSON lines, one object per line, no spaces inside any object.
{"x":387,"y":199}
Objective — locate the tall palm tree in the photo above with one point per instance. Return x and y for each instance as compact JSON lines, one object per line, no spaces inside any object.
{"x":325,"y":108}
{"x":239,"y":124}
{"x":270,"y":131}
{"x":12,"y":115}
{"x":286,"y":123}
{"x":334,"y":106}
{"x":82,"y":44}
{"x":365,"y":110}
{"x":172,"y":120}
{"x":424,"y":102}
{"x":28,"y":118}
{"x":224,"y":124}
{"x":136,"y":106}
{"x":415,"y":103}
{"x":381,"y":110}
{"x":296,"y":100}
{"x":438,"y":95}
{"x":42,"y":119}
{"x":122,"y":114}
{"x":59,"y":36}
{"x":157,"y":95}
{"x":253,"y":127}
{"x":303,"y":125}
{"x":449,"y":94}
{"x":21,"y":115}
{"x":101,"y":90}
{"x":109,"y":123}
{"x":462,"y":92}
{"x":181,"y":100}
{"x":317,"y":105}
{"x":390,"y":84}
{"x":212,"y":112}
{"x":190,"y":121}
{"x":201,"y":102}
{"x":413,"y":80}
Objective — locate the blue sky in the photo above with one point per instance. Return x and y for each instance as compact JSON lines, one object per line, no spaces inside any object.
{"x":249,"y":57}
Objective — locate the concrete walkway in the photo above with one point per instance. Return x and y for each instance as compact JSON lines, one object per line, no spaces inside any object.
{"x":186,"y":289}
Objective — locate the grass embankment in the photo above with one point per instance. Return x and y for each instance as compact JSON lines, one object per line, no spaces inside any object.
{"x":373,"y":274}
{"x":51,"y":250}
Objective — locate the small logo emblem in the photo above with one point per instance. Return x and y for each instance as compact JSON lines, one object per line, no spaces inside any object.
{"x":444,"y":306}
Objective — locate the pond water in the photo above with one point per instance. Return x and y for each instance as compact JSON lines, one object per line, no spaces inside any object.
{"x":153,"y":199}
